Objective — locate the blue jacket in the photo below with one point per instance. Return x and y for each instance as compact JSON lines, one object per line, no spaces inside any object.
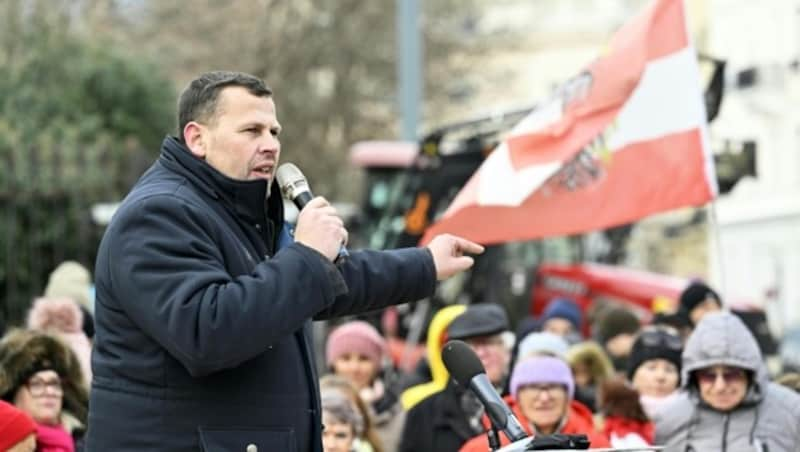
{"x":203,"y":315}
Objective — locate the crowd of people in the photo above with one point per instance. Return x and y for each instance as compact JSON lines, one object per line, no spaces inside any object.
{"x":45,"y":369}
{"x":696,"y":384}
{"x":704,"y":386}
{"x":201,"y":345}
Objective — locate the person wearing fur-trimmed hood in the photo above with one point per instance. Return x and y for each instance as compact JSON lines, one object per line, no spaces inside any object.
{"x":41,"y":376}
{"x":591,"y":367}
{"x":728,"y":402}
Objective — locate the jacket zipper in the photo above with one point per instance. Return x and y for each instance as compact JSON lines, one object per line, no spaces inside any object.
{"x":725,"y":433}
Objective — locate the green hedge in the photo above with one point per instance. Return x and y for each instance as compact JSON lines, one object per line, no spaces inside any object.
{"x":78,"y":124}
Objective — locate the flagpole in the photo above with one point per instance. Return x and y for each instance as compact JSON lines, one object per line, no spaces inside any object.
{"x":716,"y":231}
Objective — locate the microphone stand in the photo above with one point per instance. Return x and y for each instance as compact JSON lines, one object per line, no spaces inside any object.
{"x":494,"y":439}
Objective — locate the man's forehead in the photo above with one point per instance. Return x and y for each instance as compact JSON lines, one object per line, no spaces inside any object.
{"x":238,"y":101}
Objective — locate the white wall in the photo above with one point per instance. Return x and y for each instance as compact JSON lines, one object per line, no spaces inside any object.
{"x":755,"y":246}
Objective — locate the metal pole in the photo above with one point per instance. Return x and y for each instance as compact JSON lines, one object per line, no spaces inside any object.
{"x":409,"y":67}
{"x":716,"y":231}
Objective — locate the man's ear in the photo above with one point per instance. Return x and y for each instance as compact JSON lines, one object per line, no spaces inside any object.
{"x":194,"y":134}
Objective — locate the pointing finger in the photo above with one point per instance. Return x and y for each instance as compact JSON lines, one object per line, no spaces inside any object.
{"x":467,"y":246}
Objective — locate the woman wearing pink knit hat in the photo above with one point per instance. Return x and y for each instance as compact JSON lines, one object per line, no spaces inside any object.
{"x":356,"y":352}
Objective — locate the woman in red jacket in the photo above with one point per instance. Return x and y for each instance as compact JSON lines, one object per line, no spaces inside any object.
{"x":542,"y":389}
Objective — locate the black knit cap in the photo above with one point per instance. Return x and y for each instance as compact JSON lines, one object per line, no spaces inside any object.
{"x":484,"y":319}
{"x":615,"y":321}
{"x":655,"y":344}
{"x":695,"y":294}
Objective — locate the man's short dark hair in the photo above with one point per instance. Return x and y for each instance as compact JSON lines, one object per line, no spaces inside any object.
{"x":198,"y":102}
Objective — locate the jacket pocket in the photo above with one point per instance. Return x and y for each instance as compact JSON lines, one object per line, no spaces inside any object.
{"x":244,"y":439}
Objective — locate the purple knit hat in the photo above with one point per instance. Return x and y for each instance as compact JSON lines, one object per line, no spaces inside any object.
{"x":355,"y":337}
{"x":542,"y":370}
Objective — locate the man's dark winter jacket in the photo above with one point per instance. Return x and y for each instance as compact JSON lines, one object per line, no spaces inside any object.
{"x":203,"y":311}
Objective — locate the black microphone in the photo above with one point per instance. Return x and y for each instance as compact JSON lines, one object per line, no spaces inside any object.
{"x":294,"y":186}
{"x":465,"y":367}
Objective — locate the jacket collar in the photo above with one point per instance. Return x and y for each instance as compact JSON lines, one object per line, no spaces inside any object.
{"x":246,"y":198}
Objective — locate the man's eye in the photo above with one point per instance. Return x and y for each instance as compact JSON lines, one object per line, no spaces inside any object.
{"x":275,"y":132}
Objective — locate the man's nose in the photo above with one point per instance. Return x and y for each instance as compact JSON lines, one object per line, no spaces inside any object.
{"x":269,"y":144}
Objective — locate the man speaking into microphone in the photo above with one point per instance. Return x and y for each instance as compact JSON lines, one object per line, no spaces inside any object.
{"x":204,"y":300}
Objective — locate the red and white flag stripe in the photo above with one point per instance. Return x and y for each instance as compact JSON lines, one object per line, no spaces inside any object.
{"x":624,"y":139}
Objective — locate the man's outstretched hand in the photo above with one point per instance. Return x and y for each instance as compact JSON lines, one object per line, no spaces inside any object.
{"x":448,"y":254}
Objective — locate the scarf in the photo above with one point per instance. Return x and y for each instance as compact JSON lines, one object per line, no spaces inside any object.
{"x":53,"y":438}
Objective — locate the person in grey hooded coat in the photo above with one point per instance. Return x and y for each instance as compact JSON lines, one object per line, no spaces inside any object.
{"x":720,"y":354}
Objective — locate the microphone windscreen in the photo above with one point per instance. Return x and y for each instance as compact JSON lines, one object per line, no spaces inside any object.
{"x":291,"y":180}
{"x":461,"y":361}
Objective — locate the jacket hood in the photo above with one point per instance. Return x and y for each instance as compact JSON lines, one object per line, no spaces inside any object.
{"x":722,"y":339}
{"x":591,"y":354}
{"x":439,"y":374}
{"x":436,"y":338}
{"x":24,"y":352}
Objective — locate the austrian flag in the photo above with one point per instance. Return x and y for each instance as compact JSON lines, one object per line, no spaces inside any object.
{"x":623,"y":139}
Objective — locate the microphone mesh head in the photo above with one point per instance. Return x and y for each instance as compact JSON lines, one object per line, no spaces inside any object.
{"x":291,"y":180}
{"x":461,"y":361}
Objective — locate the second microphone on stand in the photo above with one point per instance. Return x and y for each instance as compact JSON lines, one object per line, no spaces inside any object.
{"x":467,"y":370}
